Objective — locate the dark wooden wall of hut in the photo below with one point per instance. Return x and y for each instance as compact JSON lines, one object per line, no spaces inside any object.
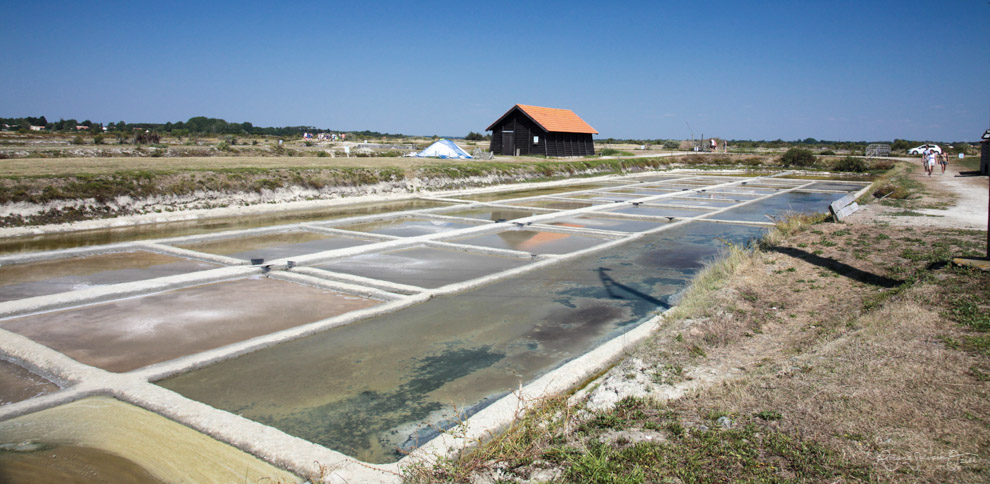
{"x":523,"y":130}
{"x":570,"y":144}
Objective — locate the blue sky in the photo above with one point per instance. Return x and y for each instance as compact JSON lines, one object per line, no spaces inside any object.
{"x":832,"y":70}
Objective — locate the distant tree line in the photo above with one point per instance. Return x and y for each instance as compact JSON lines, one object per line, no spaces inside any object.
{"x":202,"y":125}
{"x":199,"y":125}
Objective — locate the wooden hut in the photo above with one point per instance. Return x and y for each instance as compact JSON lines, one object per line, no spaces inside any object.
{"x":532,"y":130}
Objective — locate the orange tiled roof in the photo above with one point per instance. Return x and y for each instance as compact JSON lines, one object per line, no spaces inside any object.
{"x":553,"y":120}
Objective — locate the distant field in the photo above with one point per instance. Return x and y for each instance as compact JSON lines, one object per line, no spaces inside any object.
{"x":97,"y":166}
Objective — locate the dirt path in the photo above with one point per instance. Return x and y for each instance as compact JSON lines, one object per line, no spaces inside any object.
{"x":968,"y":211}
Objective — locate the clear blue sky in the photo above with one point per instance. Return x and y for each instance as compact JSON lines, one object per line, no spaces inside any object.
{"x":836,"y":70}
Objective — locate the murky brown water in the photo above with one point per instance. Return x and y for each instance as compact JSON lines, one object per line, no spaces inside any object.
{"x":18,"y":384}
{"x":61,"y":275}
{"x":131,"y":333}
{"x":100,"y":439}
{"x":69,"y":464}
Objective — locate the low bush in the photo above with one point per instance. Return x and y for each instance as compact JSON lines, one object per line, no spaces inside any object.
{"x":797,"y":157}
{"x":850,"y":163}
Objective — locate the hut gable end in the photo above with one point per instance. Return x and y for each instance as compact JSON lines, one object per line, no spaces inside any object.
{"x":534,"y":130}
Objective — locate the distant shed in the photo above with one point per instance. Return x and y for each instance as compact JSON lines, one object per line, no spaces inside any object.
{"x":532,"y":130}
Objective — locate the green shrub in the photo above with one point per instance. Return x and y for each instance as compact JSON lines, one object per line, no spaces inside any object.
{"x":98,"y":139}
{"x":797,"y":157}
{"x":850,"y":163}
{"x":77,"y":140}
{"x":827,"y":153}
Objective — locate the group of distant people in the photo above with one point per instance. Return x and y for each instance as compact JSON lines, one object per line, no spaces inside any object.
{"x":713,"y":146}
{"x":930,"y":157}
{"x":326,"y":136}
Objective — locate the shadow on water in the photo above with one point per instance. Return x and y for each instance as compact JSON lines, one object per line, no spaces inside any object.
{"x":610,"y":283}
{"x":839,"y":268}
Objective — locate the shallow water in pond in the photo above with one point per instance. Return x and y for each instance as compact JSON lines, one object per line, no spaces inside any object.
{"x":654,"y":211}
{"x":406,"y":227}
{"x":274,"y":246}
{"x":846,"y":187}
{"x":130,"y":333}
{"x":424,"y":266}
{"x":493,"y":196}
{"x":697,"y":202}
{"x":193,"y":227}
{"x":490,"y":214}
{"x":371,"y":387}
{"x":605,"y":223}
{"x":18,"y":384}
{"x":533,"y":241}
{"x":551,"y":203}
{"x":32,"y":279}
{"x":778,"y":206}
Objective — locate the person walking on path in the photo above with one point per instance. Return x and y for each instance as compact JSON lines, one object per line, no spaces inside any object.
{"x":943,"y":160}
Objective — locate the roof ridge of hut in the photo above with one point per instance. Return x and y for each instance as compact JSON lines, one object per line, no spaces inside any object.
{"x":552,"y":120}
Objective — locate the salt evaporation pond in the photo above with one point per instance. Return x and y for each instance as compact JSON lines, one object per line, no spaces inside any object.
{"x":372,"y":387}
{"x":130,"y":333}
{"x":55,"y":241}
{"x":61,"y":275}
{"x":368,"y":342}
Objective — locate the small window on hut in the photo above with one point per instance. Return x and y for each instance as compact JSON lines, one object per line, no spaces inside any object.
{"x":536,"y":140}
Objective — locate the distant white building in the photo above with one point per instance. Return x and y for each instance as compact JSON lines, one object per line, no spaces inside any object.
{"x":37,"y":128}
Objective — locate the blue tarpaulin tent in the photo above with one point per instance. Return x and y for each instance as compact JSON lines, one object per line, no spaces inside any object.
{"x":443,"y":149}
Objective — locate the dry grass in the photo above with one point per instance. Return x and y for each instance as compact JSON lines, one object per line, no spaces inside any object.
{"x":74,"y":166}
